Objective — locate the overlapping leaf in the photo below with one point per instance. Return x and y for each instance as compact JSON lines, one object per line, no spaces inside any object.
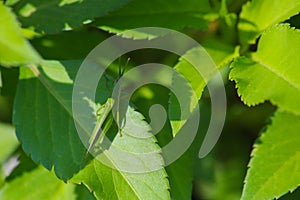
{"x":256,"y":16}
{"x":181,"y":176}
{"x":54,"y":15}
{"x":37,"y":184}
{"x":218,"y":56}
{"x":271,"y":73}
{"x":68,"y":45}
{"x":43,"y":119}
{"x":275,"y":168}
{"x":48,"y":134}
{"x":14,"y":49}
{"x":171,"y":14}
{"x":108,"y":183}
{"x":221,"y":54}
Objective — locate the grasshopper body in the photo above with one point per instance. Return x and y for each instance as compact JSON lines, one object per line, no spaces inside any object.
{"x":98,"y":134}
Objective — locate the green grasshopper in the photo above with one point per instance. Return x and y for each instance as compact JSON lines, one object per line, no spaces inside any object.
{"x":101,"y":118}
{"x":105,"y":115}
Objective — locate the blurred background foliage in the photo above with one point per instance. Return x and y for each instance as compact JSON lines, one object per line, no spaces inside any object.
{"x":219,"y":175}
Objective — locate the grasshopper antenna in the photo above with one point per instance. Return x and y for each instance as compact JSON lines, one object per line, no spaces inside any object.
{"x":126,"y":64}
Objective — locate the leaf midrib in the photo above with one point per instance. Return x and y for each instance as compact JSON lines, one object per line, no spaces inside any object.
{"x":278,"y":74}
{"x":49,"y":88}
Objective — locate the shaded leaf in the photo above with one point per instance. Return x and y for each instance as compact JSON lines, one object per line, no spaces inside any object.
{"x":10,"y":77}
{"x":59,"y":14}
{"x":180,"y":171}
{"x":50,"y":97}
{"x":170,"y":14}
{"x":43,"y":118}
{"x":228,"y":23}
{"x":83,"y":193}
{"x":24,"y":164}
{"x":181,"y":176}
{"x":221,"y":54}
{"x":57,"y":46}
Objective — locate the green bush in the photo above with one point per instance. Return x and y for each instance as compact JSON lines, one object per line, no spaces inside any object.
{"x":255,"y":46}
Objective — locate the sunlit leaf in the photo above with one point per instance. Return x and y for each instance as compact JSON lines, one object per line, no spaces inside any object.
{"x":8,"y":141}
{"x":37,"y":184}
{"x":274,"y":168}
{"x":257,"y":16}
{"x":14,"y":49}
{"x":108,"y":183}
{"x":271,"y":73}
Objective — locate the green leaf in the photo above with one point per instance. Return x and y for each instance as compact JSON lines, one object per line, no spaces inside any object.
{"x":50,"y":97}
{"x":83,"y":193}
{"x":37,"y":184}
{"x":57,"y":46}
{"x":10,"y":77}
{"x":274,"y":168}
{"x":1,"y":84}
{"x":180,"y":171}
{"x":59,"y":15}
{"x":227,"y":30}
{"x":181,"y":176}
{"x":173,"y":14}
{"x":14,"y":49}
{"x":257,"y":15}
{"x":8,"y":141}
{"x":43,"y":118}
{"x":11,"y":2}
{"x":271,"y":73}
{"x":109,"y":183}
{"x":24,"y":164}
{"x":221,"y":55}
